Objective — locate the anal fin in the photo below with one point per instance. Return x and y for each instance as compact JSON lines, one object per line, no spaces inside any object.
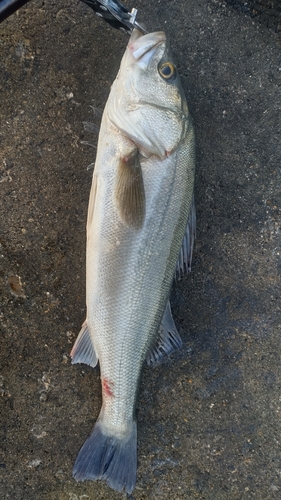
{"x":83,"y":350}
{"x":167,"y":340}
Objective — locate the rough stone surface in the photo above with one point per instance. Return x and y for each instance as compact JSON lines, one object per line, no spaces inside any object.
{"x":209,"y":418}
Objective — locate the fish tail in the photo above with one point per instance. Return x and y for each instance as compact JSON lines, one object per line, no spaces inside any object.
{"x":110,"y":458}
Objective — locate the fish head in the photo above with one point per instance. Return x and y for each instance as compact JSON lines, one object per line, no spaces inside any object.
{"x":147,"y":102}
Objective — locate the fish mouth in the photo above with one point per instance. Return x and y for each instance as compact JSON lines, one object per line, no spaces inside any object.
{"x":142,"y":47}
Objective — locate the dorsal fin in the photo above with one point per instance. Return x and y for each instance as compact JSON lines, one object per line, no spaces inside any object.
{"x":167,"y":340}
{"x":185,"y":256}
{"x":129,"y":191}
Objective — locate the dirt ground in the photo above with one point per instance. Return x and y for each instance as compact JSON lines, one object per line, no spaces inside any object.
{"x":209,"y":418}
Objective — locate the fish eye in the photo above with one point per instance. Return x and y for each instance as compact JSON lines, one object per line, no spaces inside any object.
{"x":167,"y":70}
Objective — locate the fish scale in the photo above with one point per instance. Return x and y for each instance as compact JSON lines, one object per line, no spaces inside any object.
{"x":138,"y":212}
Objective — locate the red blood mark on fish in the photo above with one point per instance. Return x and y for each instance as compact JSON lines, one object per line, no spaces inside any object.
{"x":107,"y":387}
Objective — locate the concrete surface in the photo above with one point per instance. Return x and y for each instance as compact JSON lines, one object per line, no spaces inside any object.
{"x":209,"y":419}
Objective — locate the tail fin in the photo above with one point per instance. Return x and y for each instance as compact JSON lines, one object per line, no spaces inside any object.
{"x":107,"y":457}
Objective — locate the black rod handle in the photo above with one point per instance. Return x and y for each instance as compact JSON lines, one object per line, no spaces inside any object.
{"x":8,"y":7}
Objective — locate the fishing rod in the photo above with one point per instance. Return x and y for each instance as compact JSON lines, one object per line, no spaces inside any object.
{"x":112,"y":11}
{"x":8,"y":7}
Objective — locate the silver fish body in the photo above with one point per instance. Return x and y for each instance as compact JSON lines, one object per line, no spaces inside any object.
{"x":139,"y":206}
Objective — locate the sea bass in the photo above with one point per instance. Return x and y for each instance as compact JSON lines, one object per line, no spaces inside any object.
{"x":140,"y":228}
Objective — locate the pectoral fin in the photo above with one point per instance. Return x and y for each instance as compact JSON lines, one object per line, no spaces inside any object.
{"x":167,"y":340}
{"x":129,"y":191}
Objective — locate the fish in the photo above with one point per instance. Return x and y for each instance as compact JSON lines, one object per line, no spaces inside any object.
{"x":140,"y":233}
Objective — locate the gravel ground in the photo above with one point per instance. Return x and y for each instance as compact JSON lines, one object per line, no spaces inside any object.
{"x":209,"y":418}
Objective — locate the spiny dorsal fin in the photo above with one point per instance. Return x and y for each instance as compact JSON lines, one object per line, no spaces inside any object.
{"x":185,"y":256}
{"x":129,"y":191}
